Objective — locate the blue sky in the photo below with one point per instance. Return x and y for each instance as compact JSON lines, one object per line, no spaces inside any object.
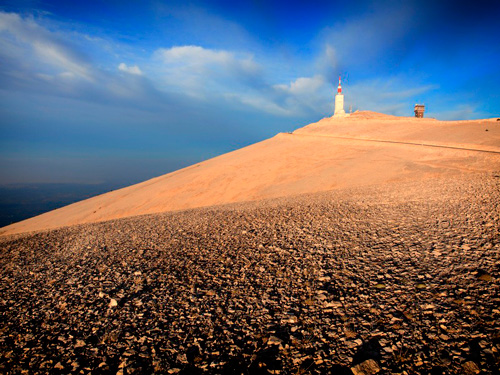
{"x":102,"y":91}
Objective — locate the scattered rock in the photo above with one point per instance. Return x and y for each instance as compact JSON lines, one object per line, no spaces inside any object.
{"x":317,"y":283}
{"x":273,"y":340}
{"x":79,"y":344}
{"x":368,"y":367}
{"x":59,"y":366}
{"x":470,"y":368}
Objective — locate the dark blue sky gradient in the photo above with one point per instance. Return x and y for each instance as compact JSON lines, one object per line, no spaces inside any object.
{"x":118,"y":92}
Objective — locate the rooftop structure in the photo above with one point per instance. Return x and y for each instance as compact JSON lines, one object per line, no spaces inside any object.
{"x":419,"y":110}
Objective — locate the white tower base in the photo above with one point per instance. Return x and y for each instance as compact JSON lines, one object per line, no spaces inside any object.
{"x":339,"y":105}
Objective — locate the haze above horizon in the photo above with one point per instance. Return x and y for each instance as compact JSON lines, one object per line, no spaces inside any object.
{"x":101,"y":91}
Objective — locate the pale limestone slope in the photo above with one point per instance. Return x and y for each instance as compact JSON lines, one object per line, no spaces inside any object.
{"x":482,"y":134}
{"x":315,"y":158}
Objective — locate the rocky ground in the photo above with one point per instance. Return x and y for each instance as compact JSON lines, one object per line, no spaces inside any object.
{"x":395,"y":279}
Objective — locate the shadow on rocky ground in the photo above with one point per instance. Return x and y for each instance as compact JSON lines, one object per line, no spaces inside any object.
{"x":394,"y":279}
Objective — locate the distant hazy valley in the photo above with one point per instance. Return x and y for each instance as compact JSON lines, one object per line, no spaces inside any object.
{"x":22,"y":201}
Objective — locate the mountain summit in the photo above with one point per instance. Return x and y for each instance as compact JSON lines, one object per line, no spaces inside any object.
{"x":364,"y":148}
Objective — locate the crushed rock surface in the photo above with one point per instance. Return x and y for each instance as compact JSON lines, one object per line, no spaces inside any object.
{"x":400,"y":279}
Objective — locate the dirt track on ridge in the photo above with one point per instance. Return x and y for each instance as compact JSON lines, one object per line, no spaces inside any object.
{"x":398,"y":142}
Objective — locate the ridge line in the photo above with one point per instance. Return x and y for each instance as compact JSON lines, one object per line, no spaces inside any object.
{"x":396,"y":142}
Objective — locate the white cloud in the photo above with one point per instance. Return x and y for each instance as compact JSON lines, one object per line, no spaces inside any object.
{"x":201,"y":71}
{"x":303,"y":85}
{"x":130,"y":69}
{"x":307,"y":95}
{"x":222,"y":77}
{"x":195,"y":55}
{"x":31,"y":55}
{"x":208,"y":73}
{"x":48,"y":46}
{"x":199,"y":59}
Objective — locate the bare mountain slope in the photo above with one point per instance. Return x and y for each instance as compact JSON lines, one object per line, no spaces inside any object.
{"x":363,"y":149}
{"x":475,"y":134}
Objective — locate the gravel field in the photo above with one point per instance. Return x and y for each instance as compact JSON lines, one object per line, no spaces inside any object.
{"x":388,"y":279}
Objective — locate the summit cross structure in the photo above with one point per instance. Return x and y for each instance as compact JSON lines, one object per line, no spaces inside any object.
{"x":339,"y":102}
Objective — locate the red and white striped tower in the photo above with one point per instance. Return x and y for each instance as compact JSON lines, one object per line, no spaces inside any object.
{"x":339,"y":101}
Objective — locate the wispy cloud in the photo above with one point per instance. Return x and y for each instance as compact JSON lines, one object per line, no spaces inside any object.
{"x":134,"y":69}
{"x":24,"y":35}
{"x":237,"y":77}
{"x":303,"y":85}
{"x":392,"y":95}
{"x":201,"y":71}
{"x":367,"y":38}
{"x":33,"y":55}
{"x":39,"y":61}
{"x":306,"y":95}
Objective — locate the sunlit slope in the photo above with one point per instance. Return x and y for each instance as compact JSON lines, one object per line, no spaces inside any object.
{"x":330,"y":154}
{"x":481,"y":134}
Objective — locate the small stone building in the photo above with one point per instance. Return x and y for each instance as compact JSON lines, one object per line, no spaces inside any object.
{"x":419,"y":110}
